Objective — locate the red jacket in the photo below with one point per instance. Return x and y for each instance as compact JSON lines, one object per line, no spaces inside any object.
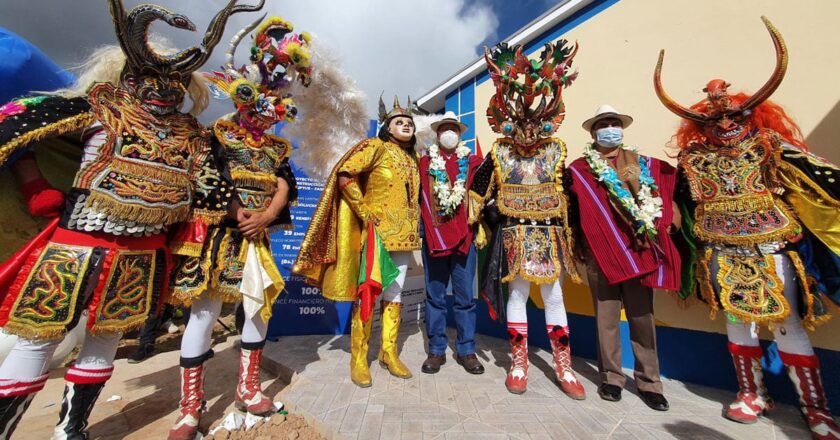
{"x":609,"y":237}
{"x":453,"y":235}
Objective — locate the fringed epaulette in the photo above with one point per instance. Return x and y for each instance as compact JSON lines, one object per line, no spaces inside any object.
{"x":27,"y":120}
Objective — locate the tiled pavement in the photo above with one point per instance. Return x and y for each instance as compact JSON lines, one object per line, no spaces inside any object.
{"x":455,"y":405}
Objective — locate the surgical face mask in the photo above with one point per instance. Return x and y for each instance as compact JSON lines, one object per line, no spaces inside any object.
{"x":449,"y":139}
{"x":609,"y":137}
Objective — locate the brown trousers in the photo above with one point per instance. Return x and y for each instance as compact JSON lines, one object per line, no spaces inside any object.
{"x":638,"y":307}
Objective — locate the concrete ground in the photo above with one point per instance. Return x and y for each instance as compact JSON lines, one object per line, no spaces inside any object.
{"x":147,"y":394}
{"x":449,"y":405}
{"x":456,"y":405}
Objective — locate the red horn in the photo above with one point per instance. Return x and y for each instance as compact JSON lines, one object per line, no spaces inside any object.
{"x":667,"y":101}
{"x":778,"y":74}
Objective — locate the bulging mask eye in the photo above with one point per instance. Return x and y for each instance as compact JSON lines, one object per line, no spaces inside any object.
{"x":245,"y":93}
{"x":547,"y":127}
{"x":507,"y":127}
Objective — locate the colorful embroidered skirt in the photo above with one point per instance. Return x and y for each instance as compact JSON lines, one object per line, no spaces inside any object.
{"x":218,"y":272}
{"x":118,"y":280}
{"x":536,"y":253}
{"x":751,"y":290}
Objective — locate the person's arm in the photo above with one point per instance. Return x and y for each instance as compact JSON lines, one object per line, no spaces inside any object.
{"x":360,"y":161}
{"x":42,"y":200}
{"x":256,"y":223}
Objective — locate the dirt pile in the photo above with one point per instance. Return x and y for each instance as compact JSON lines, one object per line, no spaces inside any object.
{"x":278,"y":427}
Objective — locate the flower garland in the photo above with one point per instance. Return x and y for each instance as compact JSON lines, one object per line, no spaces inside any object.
{"x":449,"y":197}
{"x":647,"y":208}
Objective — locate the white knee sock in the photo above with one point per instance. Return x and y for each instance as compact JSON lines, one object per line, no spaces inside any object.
{"x":555,"y":308}
{"x":203,"y":315}
{"x":519,"y":290}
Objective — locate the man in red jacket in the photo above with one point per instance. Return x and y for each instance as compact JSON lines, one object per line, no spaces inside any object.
{"x":627,"y":202}
{"x":448,"y":252}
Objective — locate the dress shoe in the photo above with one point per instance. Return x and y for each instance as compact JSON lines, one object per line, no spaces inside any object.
{"x":654,"y":400}
{"x":470,"y":363}
{"x":610,"y":392}
{"x":432,"y":363}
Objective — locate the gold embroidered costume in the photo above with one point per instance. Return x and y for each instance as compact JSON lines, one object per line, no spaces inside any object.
{"x":388,"y":186}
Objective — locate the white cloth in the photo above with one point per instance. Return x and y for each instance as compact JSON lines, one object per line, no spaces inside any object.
{"x":255,"y":279}
{"x":394,"y":292}
{"x":552,"y":296}
{"x":790,"y":336}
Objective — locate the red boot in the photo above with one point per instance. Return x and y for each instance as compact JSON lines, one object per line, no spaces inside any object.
{"x":517,"y":378}
{"x":752,"y":399}
{"x":249,"y":396}
{"x":804,"y":371}
{"x":565,"y":376}
{"x":192,"y":403}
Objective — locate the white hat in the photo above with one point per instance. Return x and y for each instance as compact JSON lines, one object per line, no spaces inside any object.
{"x":449,"y":118}
{"x":607,"y":111}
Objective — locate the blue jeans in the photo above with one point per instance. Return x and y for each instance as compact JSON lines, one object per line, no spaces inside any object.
{"x":439,"y":270}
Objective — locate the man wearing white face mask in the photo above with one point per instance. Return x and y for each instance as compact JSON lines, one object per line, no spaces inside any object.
{"x":626,"y":200}
{"x":448,"y":251}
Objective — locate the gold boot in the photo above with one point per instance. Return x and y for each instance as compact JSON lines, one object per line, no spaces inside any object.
{"x":359,"y":337}
{"x":388,"y":357}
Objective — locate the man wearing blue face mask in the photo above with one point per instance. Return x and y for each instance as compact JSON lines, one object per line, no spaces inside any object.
{"x":627,"y":201}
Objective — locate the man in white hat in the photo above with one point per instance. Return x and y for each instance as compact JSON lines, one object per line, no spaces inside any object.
{"x":627,"y":201}
{"x":448,"y":252}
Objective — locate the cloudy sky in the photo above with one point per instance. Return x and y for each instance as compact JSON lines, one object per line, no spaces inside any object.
{"x":397,"y":46}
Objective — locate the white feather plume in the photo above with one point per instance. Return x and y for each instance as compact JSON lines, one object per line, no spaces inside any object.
{"x":423,"y":130}
{"x":332,"y":115}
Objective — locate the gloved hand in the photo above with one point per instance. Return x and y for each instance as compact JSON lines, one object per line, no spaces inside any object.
{"x":42,"y":200}
{"x":352,"y":193}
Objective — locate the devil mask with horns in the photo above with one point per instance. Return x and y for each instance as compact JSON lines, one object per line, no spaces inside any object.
{"x":519,"y":82}
{"x":159,"y":81}
{"x":278,"y":57}
{"x":726,"y":119}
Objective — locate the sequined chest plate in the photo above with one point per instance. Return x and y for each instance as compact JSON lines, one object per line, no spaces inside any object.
{"x":142,"y":172}
{"x":529,"y":185}
{"x":734,"y":204}
{"x":252,"y":163}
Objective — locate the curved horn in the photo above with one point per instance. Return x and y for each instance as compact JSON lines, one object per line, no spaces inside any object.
{"x":137,"y":26}
{"x":234,"y":42}
{"x":778,"y":73}
{"x":119,"y":18}
{"x":669,"y":103}
{"x":191,"y":59}
{"x":383,"y":111}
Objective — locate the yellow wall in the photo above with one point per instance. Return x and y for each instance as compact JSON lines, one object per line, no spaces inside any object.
{"x":702,"y":40}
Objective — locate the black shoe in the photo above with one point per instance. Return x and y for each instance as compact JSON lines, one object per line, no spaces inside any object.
{"x":432,"y":363}
{"x":610,"y":392}
{"x":142,"y":354}
{"x":654,"y":400}
{"x":470,"y":363}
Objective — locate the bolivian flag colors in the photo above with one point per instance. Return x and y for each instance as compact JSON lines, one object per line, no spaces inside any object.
{"x":376,"y":273}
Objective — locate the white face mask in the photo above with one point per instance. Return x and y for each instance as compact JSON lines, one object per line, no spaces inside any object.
{"x":449,"y":139}
{"x":609,"y":137}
